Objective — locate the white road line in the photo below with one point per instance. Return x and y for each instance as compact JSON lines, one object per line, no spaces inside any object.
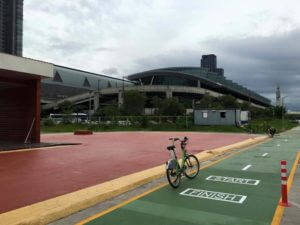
{"x":265,"y":154}
{"x":294,"y":204}
{"x":247,"y":167}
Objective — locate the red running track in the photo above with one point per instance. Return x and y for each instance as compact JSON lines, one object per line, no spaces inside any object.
{"x":32,"y":176}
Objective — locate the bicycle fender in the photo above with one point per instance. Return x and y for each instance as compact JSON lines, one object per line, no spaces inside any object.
{"x":171,"y":164}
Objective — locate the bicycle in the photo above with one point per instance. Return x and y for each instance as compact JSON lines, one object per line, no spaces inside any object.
{"x":271,"y":131}
{"x":189,"y":165}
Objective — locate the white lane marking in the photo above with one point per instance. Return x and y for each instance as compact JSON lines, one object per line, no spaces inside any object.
{"x":213,"y":195}
{"x":233,"y":180}
{"x":294,"y":204}
{"x":265,"y":154}
{"x":247,"y":167}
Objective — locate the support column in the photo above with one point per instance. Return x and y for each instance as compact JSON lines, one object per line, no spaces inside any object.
{"x":120,"y":98}
{"x":198,"y":83}
{"x":96,"y":101}
{"x":36,"y":131}
{"x":169,"y":94}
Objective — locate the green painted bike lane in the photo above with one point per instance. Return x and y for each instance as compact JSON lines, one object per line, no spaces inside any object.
{"x":238,"y":201}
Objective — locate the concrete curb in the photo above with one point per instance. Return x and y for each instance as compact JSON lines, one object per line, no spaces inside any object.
{"x":62,"y":206}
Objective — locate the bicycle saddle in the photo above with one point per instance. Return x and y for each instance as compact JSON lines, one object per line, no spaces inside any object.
{"x":175,"y":139}
{"x":171,"y":147}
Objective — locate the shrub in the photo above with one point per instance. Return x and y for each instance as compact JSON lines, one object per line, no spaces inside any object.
{"x":48,"y":122}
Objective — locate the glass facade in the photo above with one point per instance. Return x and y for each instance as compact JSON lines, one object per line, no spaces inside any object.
{"x":173,"y":80}
{"x":11,"y":26}
{"x":168,"y":80}
{"x":197,"y":77}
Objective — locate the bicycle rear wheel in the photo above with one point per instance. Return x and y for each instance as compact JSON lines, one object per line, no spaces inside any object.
{"x":192,"y":167}
{"x":173,"y":178}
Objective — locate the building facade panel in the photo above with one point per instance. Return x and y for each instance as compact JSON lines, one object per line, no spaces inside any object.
{"x":20,"y":112}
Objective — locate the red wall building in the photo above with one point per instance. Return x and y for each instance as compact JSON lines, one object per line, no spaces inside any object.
{"x":20,"y":80}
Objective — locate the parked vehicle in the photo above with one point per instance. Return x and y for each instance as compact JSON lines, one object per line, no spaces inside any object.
{"x":189,"y":164}
{"x":72,"y":118}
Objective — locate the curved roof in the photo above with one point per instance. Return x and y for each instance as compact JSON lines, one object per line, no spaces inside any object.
{"x":82,"y":79}
{"x":204,"y":76}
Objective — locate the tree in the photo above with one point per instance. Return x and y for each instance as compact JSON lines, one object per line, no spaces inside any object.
{"x":245,"y":105}
{"x":133,"y":103}
{"x":208,"y":101}
{"x":66,"y":107}
{"x":172,"y":107}
{"x":157,"y":103}
{"x":228,"y":101}
{"x":108,"y":111}
{"x":278,"y":110}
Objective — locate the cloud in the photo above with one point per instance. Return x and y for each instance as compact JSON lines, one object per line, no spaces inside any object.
{"x":257,"y":46}
{"x":111,"y":71}
{"x":261,"y":63}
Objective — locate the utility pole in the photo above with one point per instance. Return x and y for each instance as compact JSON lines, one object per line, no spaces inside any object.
{"x":90,"y":105}
{"x":123,"y":84}
{"x":282,"y":111}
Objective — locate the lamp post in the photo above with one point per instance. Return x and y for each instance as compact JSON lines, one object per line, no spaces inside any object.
{"x":282,"y":111}
{"x":123,"y":86}
{"x":90,"y":104}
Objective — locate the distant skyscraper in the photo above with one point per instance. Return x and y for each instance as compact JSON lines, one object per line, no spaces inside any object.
{"x":220,"y":71}
{"x":11,"y":26}
{"x":210,"y":62}
{"x":278,"y":96}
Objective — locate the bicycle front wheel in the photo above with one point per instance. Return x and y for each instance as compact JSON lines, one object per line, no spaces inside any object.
{"x":173,"y":178}
{"x":192,"y":167}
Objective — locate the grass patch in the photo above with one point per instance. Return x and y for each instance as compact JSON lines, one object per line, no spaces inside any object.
{"x":260,"y":125}
{"x":159,"y":127}
{"x":255,"y":126}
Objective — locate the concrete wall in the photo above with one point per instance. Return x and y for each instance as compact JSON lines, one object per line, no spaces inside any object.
{"x":24,"y":65}
{"x":213,"y":117}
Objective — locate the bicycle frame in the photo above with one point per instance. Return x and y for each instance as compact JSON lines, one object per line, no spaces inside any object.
{"x":179,"y":168}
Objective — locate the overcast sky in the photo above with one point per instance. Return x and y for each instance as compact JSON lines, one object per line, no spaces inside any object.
{"x":257,"y":42}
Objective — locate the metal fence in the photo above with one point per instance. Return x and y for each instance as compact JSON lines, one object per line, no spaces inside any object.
{"x":144,"y":121}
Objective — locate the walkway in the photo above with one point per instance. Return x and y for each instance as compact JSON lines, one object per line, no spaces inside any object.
{"x":29,"y":177}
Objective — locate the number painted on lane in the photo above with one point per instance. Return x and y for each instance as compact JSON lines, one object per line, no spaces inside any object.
{"x":213,"y":195}
{"x":233,"y":180}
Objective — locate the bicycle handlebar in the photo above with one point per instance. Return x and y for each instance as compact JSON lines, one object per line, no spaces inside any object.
{"x":184,"y":140}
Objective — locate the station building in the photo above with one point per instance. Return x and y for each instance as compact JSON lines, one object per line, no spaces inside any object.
{"x":193,"y":83}
{"x":79,"y":87}
{"x":190,"y":83}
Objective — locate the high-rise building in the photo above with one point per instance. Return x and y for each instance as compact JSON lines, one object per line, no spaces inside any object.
{"x":11,"y":26}
{"x":210,"y":62}
{"x":278,"y":96}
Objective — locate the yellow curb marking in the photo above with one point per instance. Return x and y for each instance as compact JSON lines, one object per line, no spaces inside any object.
{"x":53,"y":209}
{"x":120,"y":205}
{"x":32,"y":149}
{"x":280,"y":209}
